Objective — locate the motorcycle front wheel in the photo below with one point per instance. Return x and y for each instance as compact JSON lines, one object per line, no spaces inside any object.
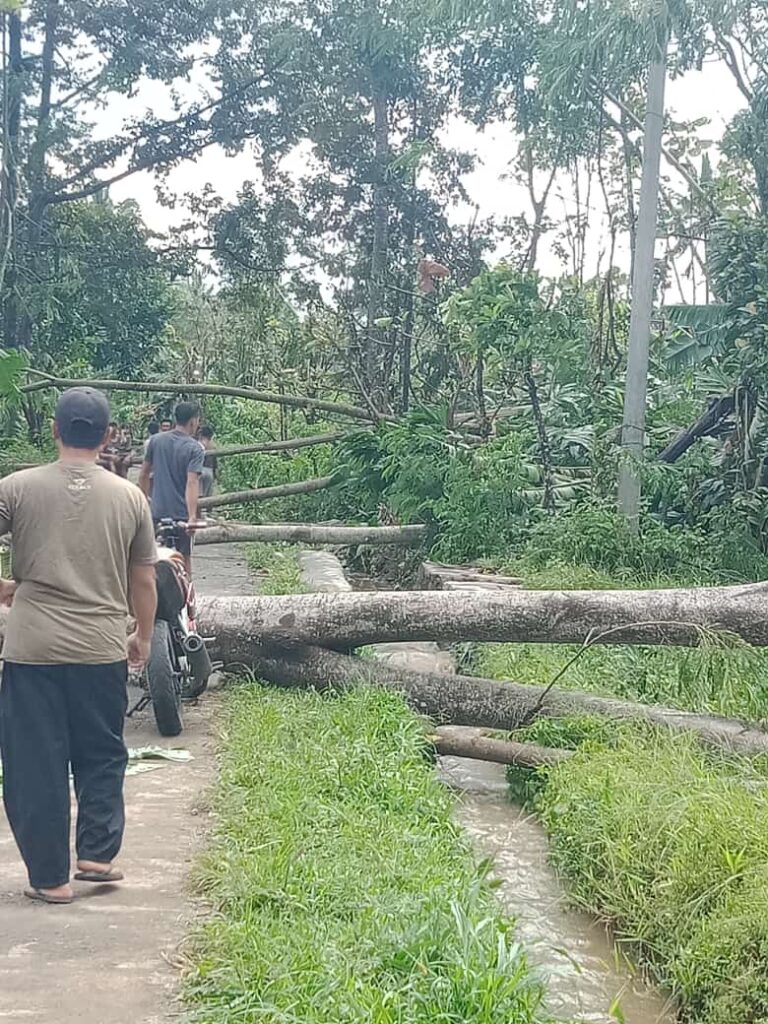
{"x":162,"y":680}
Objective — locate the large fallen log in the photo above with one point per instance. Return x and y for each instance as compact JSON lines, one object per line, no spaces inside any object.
{"x":265,"y":493}
{"x":346,"y":621}
{"x":47,"y":381}
{"x":473,"y":743}
{"x":307,"y":533}
{"x":484,"y":703}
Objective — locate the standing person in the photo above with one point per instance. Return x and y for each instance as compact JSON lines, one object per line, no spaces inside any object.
{"x":210,"y":463}
{"x":166,"y":426}
{"x":153,"y":427}
{"x":83,"y":547}
{"x":107,"y":457}
{"x":170,"y":475}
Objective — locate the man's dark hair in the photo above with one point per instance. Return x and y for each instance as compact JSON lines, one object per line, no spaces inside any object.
{"x":206,"y":432}
{"x":186,"y":411}
{"x":113,"y":424}
{"x":153,"y":427}
{"x":82,"y":418}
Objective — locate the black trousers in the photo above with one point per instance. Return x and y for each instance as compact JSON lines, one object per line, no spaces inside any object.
{"x":53,"y":717}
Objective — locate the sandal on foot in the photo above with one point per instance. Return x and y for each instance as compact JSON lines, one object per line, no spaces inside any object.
{"x":99,"y":877}
{"x":46,"y":897}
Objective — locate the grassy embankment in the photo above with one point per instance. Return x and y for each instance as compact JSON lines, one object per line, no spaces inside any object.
{"x":663,"y":839}
{"x":342,"y":889}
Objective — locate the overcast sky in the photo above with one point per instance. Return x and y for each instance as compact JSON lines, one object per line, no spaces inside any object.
{"x":710,"y":94}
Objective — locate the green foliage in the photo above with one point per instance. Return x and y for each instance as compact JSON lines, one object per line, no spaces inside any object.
{"x":107,"y":298}
{"x":671,"y":845}
{"x":572,"y":732}
{"x":341,"y":886}
{"x":721,"y":550}
{"x":277,"y":568}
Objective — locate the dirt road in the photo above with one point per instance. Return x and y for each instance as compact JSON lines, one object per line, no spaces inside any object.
{"x":108,"y":958}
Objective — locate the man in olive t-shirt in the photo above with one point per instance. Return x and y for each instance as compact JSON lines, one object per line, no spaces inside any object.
{"x":83,"y":549}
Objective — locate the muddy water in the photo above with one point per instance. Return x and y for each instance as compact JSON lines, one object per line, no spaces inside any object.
{"x":586,"y":980}
{"x":581,"y":967}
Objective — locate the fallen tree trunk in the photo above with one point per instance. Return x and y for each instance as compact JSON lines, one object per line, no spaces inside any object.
{"x":267,"y":447}
{"x":484,"y":703}
{"x":346,"y":621}
{"x":306,"y":533}
{"x":265,"y":493}
{"x":170,"y":388}
{"x":473,"y":743}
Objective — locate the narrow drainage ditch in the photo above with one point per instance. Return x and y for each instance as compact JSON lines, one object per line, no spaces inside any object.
{"x":587,"y":979}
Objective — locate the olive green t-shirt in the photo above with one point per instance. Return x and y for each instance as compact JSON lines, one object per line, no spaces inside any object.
{"x":76,"y":529}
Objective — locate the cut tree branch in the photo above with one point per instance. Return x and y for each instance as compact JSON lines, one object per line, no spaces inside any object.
{"x":47,"y":381}
{"x":277,"y":446}
{"x":265,"y":493}
{"x":453,"y":741}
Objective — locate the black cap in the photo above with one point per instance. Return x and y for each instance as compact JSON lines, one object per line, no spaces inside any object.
{"x":82,"y":416}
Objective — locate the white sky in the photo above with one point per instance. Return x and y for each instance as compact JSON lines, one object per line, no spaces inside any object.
{"x":710,"y":94}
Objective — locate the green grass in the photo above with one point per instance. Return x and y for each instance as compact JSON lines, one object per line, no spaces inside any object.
{"x":279,"y":563}
{"x":342,"y":889}
{"x":671,"y":845}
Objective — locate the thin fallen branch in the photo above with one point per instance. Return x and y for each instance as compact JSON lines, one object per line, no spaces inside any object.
{"x":277,"y":446}
{"x":265,"y":493}
{"x":455,"y":741}
{"x":309,"y":533}
{"x":291,"y":401}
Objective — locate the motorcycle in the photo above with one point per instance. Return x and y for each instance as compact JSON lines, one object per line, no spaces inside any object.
{"x":179,"y":665}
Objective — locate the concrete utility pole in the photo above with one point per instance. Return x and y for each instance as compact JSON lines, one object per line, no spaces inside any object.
{"x":636,"y":388}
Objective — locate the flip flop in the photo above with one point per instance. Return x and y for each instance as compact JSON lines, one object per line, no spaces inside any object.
{"x":99,"y":877}
{"x":46,"y":897}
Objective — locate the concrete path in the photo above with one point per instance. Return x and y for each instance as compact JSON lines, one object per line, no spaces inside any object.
{"x":109,"y":958}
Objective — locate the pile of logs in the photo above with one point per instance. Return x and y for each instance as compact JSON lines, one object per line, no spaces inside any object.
{"x":467,"y":578}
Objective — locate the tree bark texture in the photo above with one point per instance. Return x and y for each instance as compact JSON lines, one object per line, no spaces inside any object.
{"x":346,"y":621}
{"x":307,"y":533}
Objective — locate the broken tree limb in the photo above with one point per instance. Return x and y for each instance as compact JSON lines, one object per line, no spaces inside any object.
{"x":47,"y":381}
{"x":473,"y":743}
{"x":269,"y":447}
{"x":483,"y":703}
{"x":344,"y":621}
{"x":717,"y":411}
{"x":307,"y":533}
{"x":265,"y":493}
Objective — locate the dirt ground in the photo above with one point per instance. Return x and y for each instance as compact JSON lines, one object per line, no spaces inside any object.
{"x":109,"y":957}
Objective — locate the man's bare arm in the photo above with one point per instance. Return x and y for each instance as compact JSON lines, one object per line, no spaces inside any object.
{"x":144,"y":604}
{"x":145,"y":478}
{"x":193,"y":496}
